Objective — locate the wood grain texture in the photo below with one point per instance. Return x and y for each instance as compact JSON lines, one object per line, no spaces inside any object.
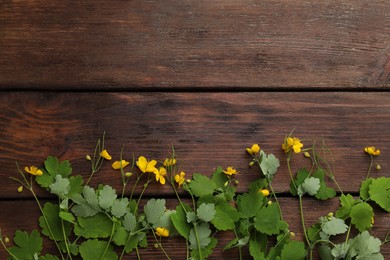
{"x":199,"y":44}
{"x":207,"y":130}
{"x":13,"y":218}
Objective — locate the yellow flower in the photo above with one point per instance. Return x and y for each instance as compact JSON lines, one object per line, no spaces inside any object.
{"x":162,"y":232}
{"x":160,"y":173}
{"x":169,"y":162}
{"x":33,"y":170}
{"x":145,"y":166}
{"x":117,"y":165}
{"x":105,"y":155}
{"x":230,"y":171}
{"x":254,"y":149}
{"x":180,"y":178}
{"x":292,"y":142}
{"x":372,"y":151}
{"x":265,"y":192}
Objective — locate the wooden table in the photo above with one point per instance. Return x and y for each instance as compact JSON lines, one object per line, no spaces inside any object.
{"x":209,"y":77}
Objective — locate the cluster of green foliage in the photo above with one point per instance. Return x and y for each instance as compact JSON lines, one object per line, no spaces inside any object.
{"x":97,"y":223}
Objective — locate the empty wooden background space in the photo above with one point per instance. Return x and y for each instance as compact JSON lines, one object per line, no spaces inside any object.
{"x":209,"y":77}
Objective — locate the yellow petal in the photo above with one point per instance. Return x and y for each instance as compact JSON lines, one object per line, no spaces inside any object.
{"x":105,"y":155}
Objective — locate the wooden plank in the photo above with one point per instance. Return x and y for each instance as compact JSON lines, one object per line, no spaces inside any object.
{"x":13,"y":217}
{"x":198,"y":44}
{"x":207,"y":130}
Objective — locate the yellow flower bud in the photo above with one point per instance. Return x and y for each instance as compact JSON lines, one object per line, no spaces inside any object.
{"x":306,"y":154}
{"x":269,"y":202}
{"x":251,"y":163}
{"x":378,"y":167}
{"x":372,"y":221}
{"x":292,"y":234}
{"x":20,"y":189}
{"x":88,"y":158}
{"x":188,"y":181}
{"x":330,"y":214}
{"x":265,"y":192}
{"x":128,"y":174}
{"x":236,"y":182}
{"x":6,"y":239}
{"x":226,"y":184}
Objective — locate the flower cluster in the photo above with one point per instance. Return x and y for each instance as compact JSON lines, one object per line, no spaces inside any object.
{"x":97,"y":223}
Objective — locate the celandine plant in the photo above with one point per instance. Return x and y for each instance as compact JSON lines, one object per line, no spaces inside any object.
{"x":99,"y":223}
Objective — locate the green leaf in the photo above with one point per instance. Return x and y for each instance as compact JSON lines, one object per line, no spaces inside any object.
{"x":201,"y":185}
{"x":203,"y":231}
{"x":54,"y":167}
{"x":219,"y":178}
{"x":347,"y":202}
{"x":269,"y":164}
{"x":76,"y":186}
{"x":313,"y":232}
{"x":311,"y":185}
{"x":191,"y":217}
{"x":257,"y":245}
{"x":88,"y":205}
{"x":267,"y":220}
{"x":56,"y":224}
{"x":361,"y":216}
{"x":154,"y":209}
{"x":294,"y":250}
{"x":366,"y":247}
{"x":333,"y":226}
{"x":120,"y":236}
{"x":95,"y":249}
{"x":206,"y":212}
{"x":340,"y":250}
{"x":129,"y":222}
{"x":225,"y":217}
{"x":364,"y":188}
{"x":107,"y":196}
{"x":166,"y":222}
{"x":205,"y":252}
{"x":379,"y":191}
{"x":26,"y":246}
{"x":324,"y":192}
{"x":301,"y":176}
{"x":98,"y":226}
{"x":119,"y":207}
{"x":60,"y":186}
{"x":248,"y":204}
{"x":179,"y":220}
{"x":325,"y":252}
{"x":67,"y":216}
{"x":48,"y":257}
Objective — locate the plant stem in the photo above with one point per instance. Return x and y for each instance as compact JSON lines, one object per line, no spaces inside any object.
{"x":198,"y":242}
{"x":369,"y":167}
{"x":6,"y":249}
{"x":109,"y":241}
{"x":276,"y":199}
{"x":159,"y":244}
{"x":303,"y":221}
{"x":65,"y":239}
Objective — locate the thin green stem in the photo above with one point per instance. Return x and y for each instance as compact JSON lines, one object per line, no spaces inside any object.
{"x":198,"y":242}
{"x":290,"y":172}
{"x":349,"y":231}
{"x":46,"y":221}
{"x":276,"y":199}
{"x":370,"y":166}
{"x":109,"y":240}
{"x":303,"y":221}
{"x":6,"y":249}
{"x":65,"y":239}
{"x":137,"y":251}
{"x":159,"y":244}
{"x":143,"y":190}
{"x":319,"y":241}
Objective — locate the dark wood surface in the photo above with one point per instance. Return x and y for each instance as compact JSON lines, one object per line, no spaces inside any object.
{"x":180,"y":44}
{"x":209,"y":77}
